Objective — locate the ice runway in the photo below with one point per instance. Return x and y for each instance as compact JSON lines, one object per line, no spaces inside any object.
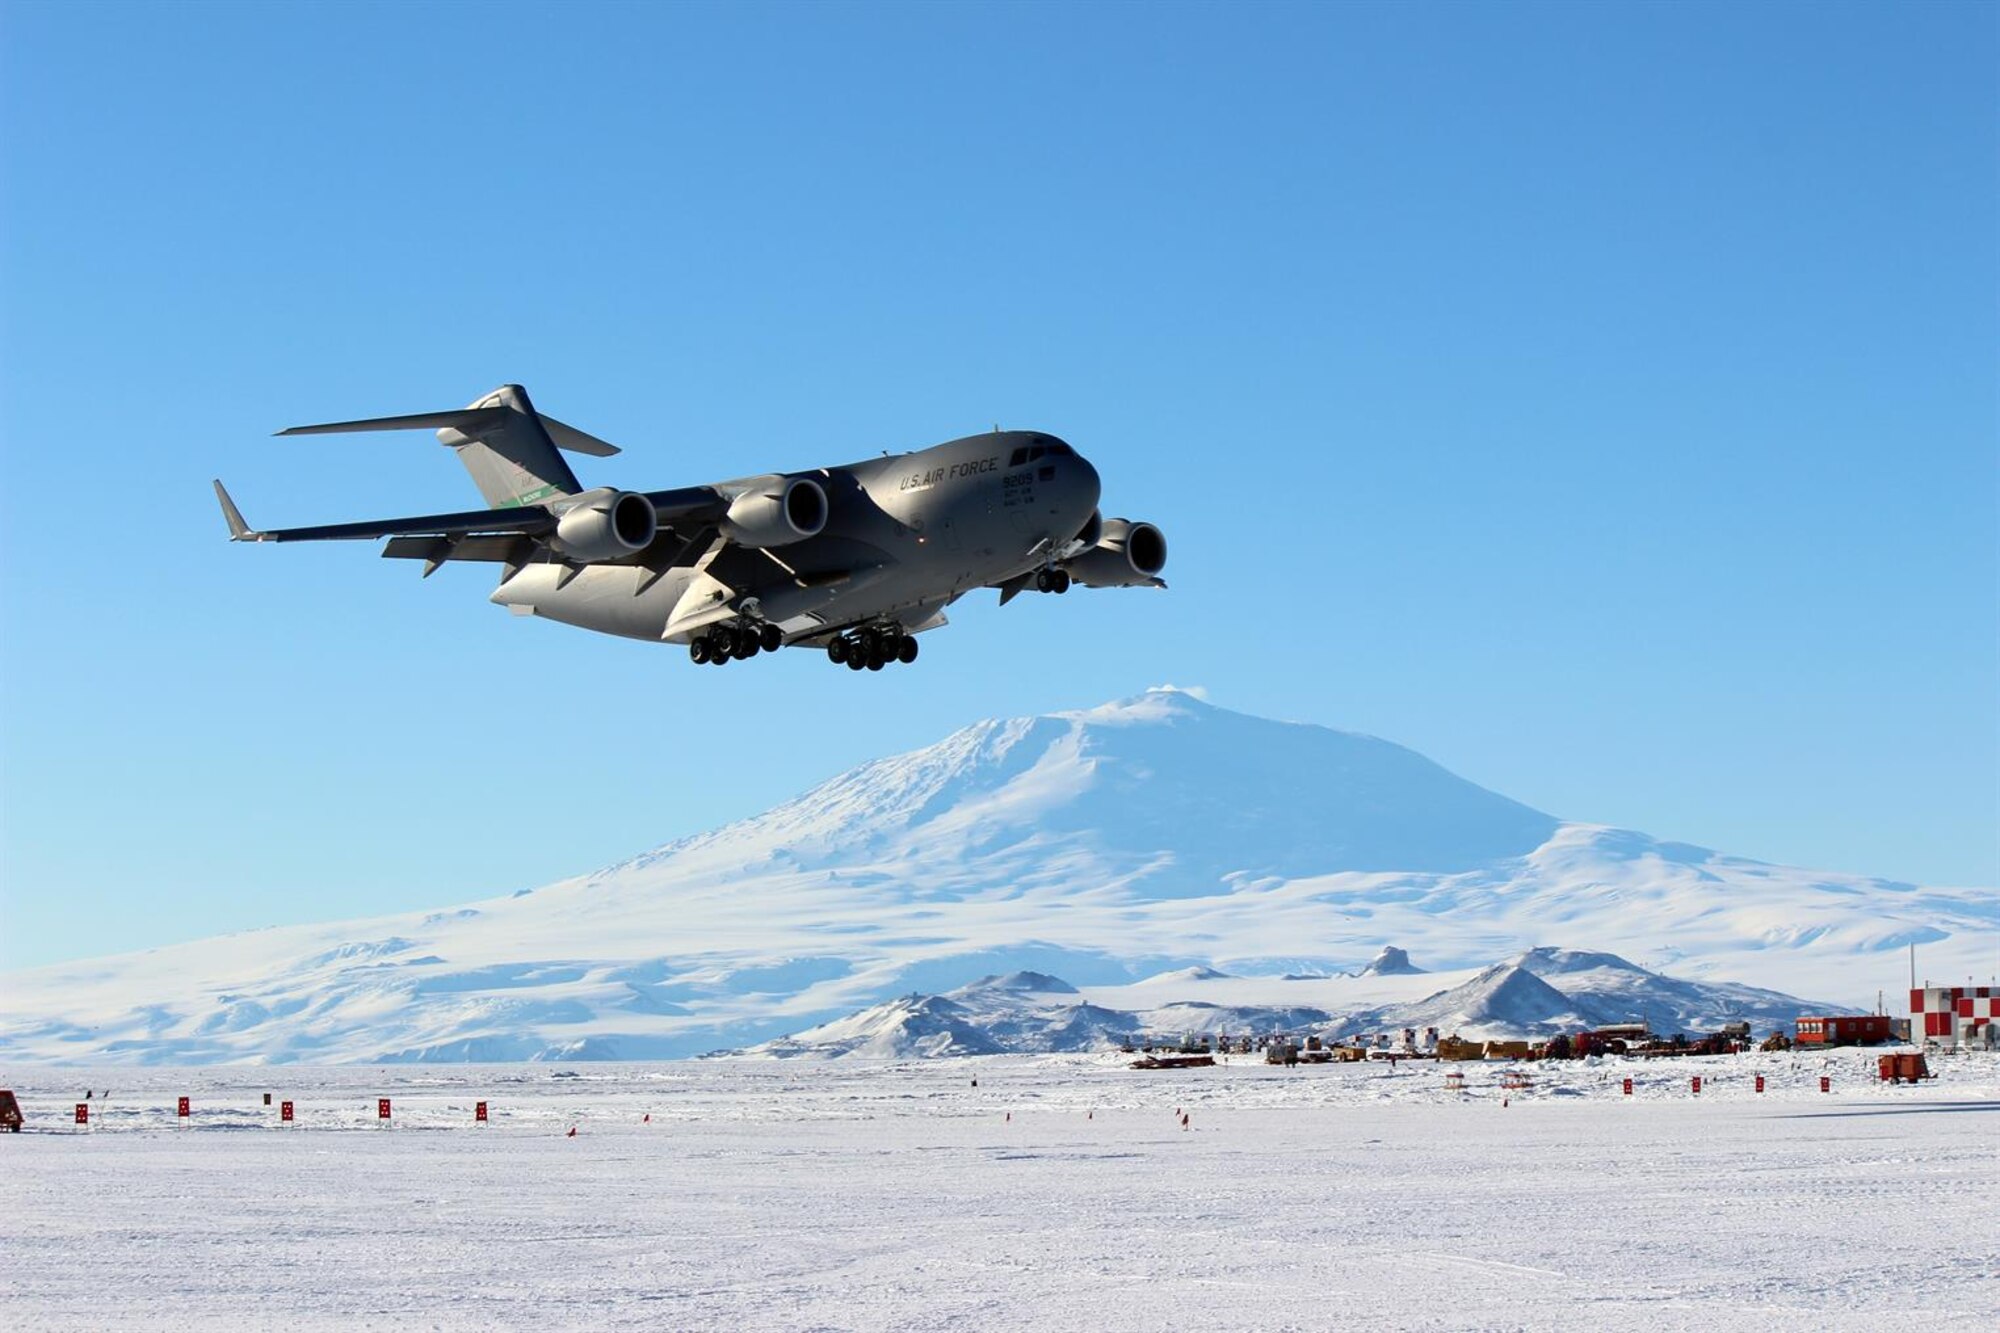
{"x":1061,"y":1193}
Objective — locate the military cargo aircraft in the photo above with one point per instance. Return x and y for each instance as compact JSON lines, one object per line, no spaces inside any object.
{"x":856,"y":560}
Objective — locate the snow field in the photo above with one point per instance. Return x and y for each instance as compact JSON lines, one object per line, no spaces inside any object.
{"x":1060,"y":1193}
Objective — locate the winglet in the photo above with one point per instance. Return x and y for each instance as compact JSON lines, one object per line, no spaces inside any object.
{"x":239,"y":531}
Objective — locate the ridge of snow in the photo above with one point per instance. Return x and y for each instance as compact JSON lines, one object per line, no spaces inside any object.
{"x":1503,"y":1001}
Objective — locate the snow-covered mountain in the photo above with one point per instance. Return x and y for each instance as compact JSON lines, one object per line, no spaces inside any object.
{"x":1540,"y":993}
{"x":1391,"y":962}
{"x":1148,"y":835}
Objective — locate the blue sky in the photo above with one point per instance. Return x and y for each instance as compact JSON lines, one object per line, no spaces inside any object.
{"x":1600,"y":400}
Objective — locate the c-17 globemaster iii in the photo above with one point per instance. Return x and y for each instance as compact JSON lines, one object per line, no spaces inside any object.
{"x":856,"y":559}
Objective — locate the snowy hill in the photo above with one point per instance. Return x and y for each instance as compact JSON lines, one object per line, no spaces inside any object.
{"x":1538,"y":994}
{"x":1505,"y":1000}
{"x":1144,"y":837}
{"x":1391,"y":962}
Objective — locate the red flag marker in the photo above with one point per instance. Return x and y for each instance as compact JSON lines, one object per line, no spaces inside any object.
{"x":646,"y":1119}
{"x":572,"y":1132}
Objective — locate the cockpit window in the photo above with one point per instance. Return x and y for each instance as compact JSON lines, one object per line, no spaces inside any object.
{"x":1035,"y":453}
{"x":1020,"y":457}
{"x":1061,"y":450}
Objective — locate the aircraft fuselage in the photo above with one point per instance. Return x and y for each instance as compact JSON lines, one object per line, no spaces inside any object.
{"x":950,"y":518}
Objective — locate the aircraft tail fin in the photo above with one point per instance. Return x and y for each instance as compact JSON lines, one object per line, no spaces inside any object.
{"x":513,"y":452}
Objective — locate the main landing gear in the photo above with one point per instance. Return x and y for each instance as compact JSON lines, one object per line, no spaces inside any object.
{"x":735,"y":643}
{"x":871,"y":649}
{"x":1052,"y":580}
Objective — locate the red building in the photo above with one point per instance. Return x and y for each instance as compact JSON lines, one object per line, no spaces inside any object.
{"x":1954,"y":1017}
{"x":1845,"y":1030}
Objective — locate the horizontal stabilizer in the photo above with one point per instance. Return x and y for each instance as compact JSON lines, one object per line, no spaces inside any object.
{"x":471,"y":420}
{"x":576,"y":441}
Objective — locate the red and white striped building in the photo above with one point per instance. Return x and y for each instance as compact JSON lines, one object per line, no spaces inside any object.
{"x":1956,"y":1016}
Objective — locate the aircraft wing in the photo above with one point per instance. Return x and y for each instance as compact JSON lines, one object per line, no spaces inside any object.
{"x":688,"y":535}
{"x":515,"y":521}
{"x":688,"y":504}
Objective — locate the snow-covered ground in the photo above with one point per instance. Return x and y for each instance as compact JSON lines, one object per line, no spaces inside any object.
{"x":1061,"y":1192}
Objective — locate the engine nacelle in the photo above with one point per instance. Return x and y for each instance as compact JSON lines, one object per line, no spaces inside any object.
{"x":606,"y":525}
{"x":776,"y":511}
{"x":1127,"y":555}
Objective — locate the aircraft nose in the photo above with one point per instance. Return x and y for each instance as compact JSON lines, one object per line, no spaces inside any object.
{"x":1087,"y":480}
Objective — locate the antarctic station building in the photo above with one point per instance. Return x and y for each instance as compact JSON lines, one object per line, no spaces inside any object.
{"x":1845,"y":1030}
{"x":1956,"y":1017}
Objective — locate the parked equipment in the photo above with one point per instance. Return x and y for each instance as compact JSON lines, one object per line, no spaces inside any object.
{"x":1904,"y":1068}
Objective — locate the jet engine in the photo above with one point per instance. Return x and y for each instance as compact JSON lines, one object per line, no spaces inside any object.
{"x":1126,"y":555}
{"x":776,"y":511}
{"x":606,"y":525}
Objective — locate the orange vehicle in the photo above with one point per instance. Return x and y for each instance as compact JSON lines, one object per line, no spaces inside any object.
{"x":1902,"y":1068}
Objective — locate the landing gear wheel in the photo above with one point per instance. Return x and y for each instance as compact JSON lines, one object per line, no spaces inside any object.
{"x":1043,"y":583}
{"x":906,"y":650}
{"x":876,"y":661}
{"x":725,"y":642}
{"x":1059,"y":582}
{"x":698,"y":651}
{"x":856,"y":661}
{"x":747,"y":646}
{"x":836,"y":651}
{"x":770,"y":638}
